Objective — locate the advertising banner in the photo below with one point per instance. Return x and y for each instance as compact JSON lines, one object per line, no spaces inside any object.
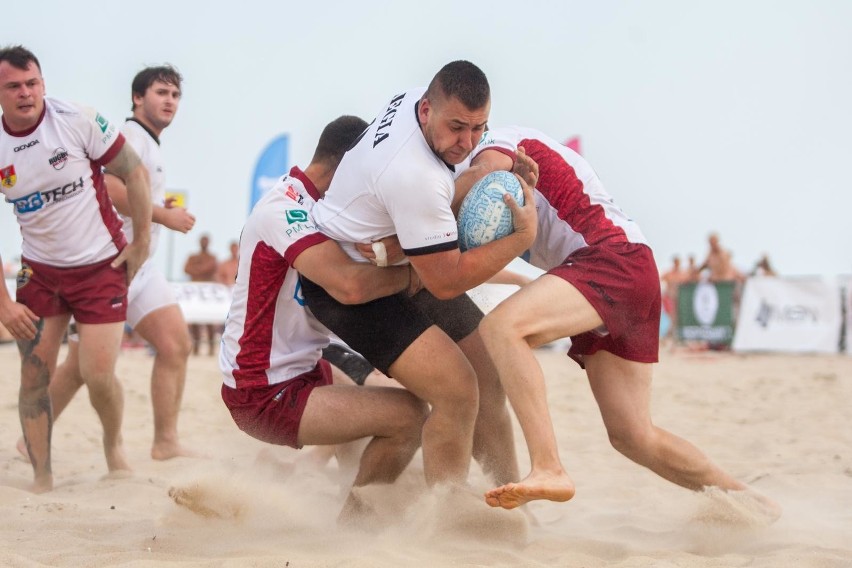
{"x":791,"y":315}
{"x":705,"y":312}
{"x":273,"y":163}
{"x":203,"y":302}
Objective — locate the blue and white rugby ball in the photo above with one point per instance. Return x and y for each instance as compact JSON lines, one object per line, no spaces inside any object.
{"x":483,"y":217}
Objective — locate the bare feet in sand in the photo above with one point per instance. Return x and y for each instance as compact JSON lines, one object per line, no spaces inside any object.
{"x":162,"y":451}
{"x":557,"y":487}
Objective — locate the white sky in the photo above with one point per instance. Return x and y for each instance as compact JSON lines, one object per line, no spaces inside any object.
{"x":725,"y":116}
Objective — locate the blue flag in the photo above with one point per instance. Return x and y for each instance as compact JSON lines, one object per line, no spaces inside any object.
{"x":273,"y":163}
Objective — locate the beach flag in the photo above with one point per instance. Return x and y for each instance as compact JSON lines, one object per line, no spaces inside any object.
{"x":273,"y":162}
{"x":574,"y":144}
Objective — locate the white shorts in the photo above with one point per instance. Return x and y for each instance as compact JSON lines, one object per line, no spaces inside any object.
{"x":149,"y":291}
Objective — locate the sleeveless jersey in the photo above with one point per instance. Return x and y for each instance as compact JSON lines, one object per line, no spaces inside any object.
{"x":147,"y":146}
{"x":391,"y":182}
{"x":270,"y":335}
{"x":574,"y":210}
{"x":51,"y":174}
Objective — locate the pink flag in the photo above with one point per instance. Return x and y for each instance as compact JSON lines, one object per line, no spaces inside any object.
{"x":574,"y":144}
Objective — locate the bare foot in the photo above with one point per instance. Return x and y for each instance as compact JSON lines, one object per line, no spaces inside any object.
{"x":41,"y":484}
{"x":116,"y":460}
{"x":535,"y":486}
{"x":167,"y":450}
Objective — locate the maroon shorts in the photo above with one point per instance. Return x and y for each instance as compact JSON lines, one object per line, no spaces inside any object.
{"x":272,"y":413}
{"x":95,"y":293}
{"x":622,"y":283}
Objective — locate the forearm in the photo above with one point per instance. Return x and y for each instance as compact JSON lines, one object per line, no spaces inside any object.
{"x":139,"y":201}
{"x":359,"y":283}
{"x":473,"y":267}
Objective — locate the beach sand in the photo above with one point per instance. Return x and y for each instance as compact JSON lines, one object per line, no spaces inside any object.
{"x":780,"y":423}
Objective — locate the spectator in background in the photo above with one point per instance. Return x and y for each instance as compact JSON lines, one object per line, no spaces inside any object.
{"x":202,"y":267}
{"x":671,"y":280}
{"x":692,"y":272}
{"x":226,"y":273}
{"x":763,"y":267}
{"x":719,"y":262}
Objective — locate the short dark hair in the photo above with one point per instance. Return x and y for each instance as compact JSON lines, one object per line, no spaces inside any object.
{"x":337,"y":137}
{"x":18,"y":57}
{"x":462,"y":80}
{"x":145,"y":78}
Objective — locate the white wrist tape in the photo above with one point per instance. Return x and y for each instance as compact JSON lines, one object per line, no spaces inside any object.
{"x":381,"y":253}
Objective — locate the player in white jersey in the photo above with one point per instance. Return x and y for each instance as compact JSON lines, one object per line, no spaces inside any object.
{"x":75,"y":257}
{"x":152,"y":309}
{"x":399,"y":179}
{"x":601,"y":290}
{"x":276,"y":386}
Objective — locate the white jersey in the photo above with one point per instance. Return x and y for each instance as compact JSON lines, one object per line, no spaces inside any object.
{"x":391,"y":182}
{"x":51,"y":174}
{"x":147,"y":146}
{"x":270,"y":335}
{"x":574,"y":210}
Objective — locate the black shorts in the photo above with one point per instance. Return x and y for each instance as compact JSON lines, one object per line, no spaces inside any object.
{"x":382,"y":329}
{"x":356,"y":367}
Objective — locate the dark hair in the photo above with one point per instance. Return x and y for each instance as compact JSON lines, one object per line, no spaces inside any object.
{"x":145,"y":78}
{"x":18,"y":57}
{"x":337,"y":137}
{"x":462,"y":80}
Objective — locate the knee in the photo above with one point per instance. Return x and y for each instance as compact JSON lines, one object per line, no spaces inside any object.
{"x":174,"y":347}
{"x":499,"y":327}
{"x":459,"y":396}
{"x":630,"y":441}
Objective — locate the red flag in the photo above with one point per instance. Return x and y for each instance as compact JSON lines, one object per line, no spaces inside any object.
{"x":574,"y":144}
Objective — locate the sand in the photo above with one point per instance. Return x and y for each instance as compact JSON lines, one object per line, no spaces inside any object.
{"x":780,"y":423}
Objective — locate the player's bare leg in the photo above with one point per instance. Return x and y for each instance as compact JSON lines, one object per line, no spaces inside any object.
{"x":65,"y":381}
{"x":493,"y":440}
{"x":623,"y":391}
{"x":448,"y":384}
{"x":99,"y":347}
{"x":166,"y":331}
{"x":38,"y":360}
{"x":392,"y":417}
{"x":544,"y":310}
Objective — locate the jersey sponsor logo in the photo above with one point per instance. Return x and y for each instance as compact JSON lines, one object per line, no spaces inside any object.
{"x":103,"y":123}
{"x":298,"y":295}
{"x":294,"y":195}
{"x":25,"y":146}
{"x":381,"y":130}
{"x":24,"y":275}
{"x":35,"y":201}
{"x":440,"y":236}
{"x":8,"y":177}
{"x":59,"y":158}
{"x":296,"y":216}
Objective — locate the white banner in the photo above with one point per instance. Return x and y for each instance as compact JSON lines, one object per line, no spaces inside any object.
{"x":203,"y":302}
{"x":795,"y":315}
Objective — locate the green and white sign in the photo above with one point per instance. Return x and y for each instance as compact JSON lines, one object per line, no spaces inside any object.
{"x":705,"y":312}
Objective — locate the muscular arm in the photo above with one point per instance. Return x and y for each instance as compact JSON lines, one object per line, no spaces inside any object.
{"x":451,"y":273}
{"x":347,"y":281}
{"x":127,"y":167}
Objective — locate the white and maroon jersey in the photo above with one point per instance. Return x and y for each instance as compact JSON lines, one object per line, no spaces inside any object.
{"x":51,"y":174}
{"x":391,"y":182}
{"x":574,"y":210}
{"x":270,"y":335}
{"x":147,"y":146}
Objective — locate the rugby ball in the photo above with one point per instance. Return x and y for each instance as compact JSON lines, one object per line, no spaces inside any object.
{"x":483,"y":217}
